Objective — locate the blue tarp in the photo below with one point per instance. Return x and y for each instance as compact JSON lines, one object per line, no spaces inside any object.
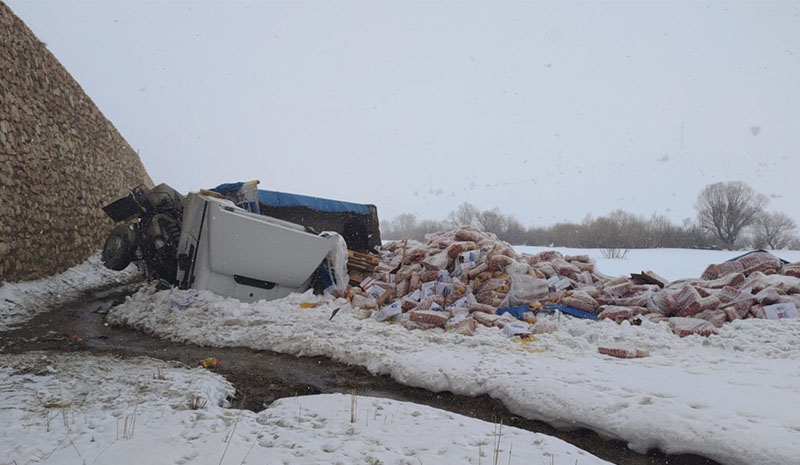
{"x":518,"y":312}
{"x":283,"y":199}
{"x":567,"y":310}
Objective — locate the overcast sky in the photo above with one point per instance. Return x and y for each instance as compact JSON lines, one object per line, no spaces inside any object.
{"x":549,"y":111}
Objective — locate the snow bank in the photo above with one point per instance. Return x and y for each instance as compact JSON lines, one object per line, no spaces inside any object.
{"x":724,"y":397}
{"x":21,"y":301}
{"x":87,"y":409}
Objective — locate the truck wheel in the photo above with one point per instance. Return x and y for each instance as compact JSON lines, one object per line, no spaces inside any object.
{"x":119,"y":248}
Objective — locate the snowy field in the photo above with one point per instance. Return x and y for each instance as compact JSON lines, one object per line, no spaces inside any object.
{"x":21,"y":301}
{"x":726,"y":397}
{"x":672,"y":264}
{"x":88,"y":409}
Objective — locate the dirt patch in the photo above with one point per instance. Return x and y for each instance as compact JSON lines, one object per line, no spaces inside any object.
{"x":261,"y":377}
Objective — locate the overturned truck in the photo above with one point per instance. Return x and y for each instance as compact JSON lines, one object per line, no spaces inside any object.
{"x":222,"y":240}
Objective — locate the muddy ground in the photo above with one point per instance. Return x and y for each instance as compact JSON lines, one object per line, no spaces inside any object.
{"x":262,"y":377}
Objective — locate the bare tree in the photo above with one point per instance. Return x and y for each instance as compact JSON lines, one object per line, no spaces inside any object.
{"x":465,"y":215}
{"x":493,"y":221}
{"x":405,"y":222}
{"x":514,"y":232}
{"x":725,"y":209}
{"x":774,"y":230}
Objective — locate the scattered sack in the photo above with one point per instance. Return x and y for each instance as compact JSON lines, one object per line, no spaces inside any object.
{"x":431,"y":317}
{"x":623,"y":353}
{"x":687,"y":326}
{"x":618,"y":313}
{"x":516,"y":329}
{"x":581,"y":300}
{"x":543,"y":327}
{"x":463,"y":326}
{"x":364,"y":302}
{"x":389,"y":312}
{"x":525,"y":289}
{"x":181,"y":300}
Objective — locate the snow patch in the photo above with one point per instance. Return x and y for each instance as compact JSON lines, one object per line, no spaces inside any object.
{"x":724,"y":397}
{"x":76,"y":408}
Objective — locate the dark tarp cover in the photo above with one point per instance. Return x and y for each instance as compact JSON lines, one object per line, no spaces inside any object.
{"x":756,"y":251}
{"x":283,"y":199}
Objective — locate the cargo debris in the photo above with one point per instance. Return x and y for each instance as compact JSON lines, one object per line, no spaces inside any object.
{"x":469,"y":275}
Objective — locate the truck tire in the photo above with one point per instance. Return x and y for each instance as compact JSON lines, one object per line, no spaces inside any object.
{"x":119,"y":248}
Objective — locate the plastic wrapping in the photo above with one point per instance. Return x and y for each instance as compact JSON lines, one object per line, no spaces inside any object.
{"x":565,"y":268}
{"x":722,"y":269}
{"x":731,"y":279}
{"x":618,"y":290}
{"x":581,"y":300}
{"x":486,"y":319}
{"x":768,"y":296}
{"x":437,"y":261}
{"x":427,"y":302}
{"x":524,"y":289}
{"x":715,"y":317}
{"x":464,"y":326}
{"x":469,"y":234}
{"x":456,"y":248}
{"x":792,"y":269}
{"x":364,"y":302}
{"x":336,"y":260}
{"x":759,"y":261}
{"x":481,"y":308}
{"x":499,"y":262}
{"x":618,"y":313}
{"x":496,"y":284}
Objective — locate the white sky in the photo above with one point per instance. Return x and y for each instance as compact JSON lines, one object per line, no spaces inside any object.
{"x":549,"y":111}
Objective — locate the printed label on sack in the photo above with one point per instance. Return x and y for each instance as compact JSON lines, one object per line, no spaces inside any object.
{"x":444,"y":289}
{"x":464,"y":302}
{"x":376,"y":291}
{"x":781,"y":311}
{"x":367,"y":283}
{"x":428,"y":289}
{"x":389,"y":311}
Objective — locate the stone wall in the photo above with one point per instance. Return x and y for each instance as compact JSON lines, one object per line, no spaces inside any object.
{"x":61,"y":160}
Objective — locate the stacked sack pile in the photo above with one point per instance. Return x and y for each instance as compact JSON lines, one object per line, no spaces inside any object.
{"x":465,"y":277}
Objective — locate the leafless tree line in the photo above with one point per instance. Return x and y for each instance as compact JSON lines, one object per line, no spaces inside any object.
{"x":730,"y":215}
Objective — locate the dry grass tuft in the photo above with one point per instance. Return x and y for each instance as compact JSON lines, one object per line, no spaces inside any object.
{"x":197,"y":402}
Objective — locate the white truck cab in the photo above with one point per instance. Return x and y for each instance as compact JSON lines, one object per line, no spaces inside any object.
{"x":236,"y":253}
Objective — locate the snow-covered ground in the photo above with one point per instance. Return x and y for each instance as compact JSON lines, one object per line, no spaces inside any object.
{"x":21,"y":301}
{"x":729,"y":397}
{"x":88,"y":409}
{"x":672,"y":264}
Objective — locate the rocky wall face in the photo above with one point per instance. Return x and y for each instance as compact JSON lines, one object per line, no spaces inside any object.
{"x":61,"y":160}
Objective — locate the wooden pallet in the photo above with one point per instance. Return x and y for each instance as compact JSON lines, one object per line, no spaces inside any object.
{"x":362,"y":262}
